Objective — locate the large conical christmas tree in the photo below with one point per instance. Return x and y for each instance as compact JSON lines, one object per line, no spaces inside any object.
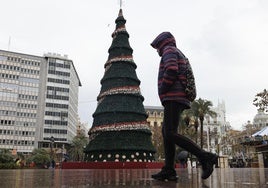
{"x":120,"y":131}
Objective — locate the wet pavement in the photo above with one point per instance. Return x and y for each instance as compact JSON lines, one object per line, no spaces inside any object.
{"x":188,"y":178}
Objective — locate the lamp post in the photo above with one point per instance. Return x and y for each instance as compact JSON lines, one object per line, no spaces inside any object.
{"x":201,"y":118}
{"x":51,"y":152}
{"x":62,"y":154}
{"x":189,"y":122}
{"x":196,"y":124}
{"x":208,"y":136}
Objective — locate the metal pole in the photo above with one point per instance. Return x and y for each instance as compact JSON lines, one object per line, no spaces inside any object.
{"x":51,"y":152}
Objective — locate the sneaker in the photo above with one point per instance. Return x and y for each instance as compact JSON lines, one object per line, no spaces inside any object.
{"x":207,"y":161}
{"x":166,"y":174}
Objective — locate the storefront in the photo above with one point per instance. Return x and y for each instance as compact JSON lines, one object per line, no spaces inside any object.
{"x":262,"y":151}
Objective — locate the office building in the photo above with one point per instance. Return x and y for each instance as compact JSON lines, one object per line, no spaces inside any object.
{"x":38,"y":100}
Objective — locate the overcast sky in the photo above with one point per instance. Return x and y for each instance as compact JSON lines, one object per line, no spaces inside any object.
{"x":225,"y":40}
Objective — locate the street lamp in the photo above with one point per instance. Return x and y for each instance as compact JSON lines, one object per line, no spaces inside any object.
{"x":52,"y":163}
{"x":196,"y":124}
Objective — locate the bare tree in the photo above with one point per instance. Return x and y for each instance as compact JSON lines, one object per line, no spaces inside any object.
{"x":261,"y":101}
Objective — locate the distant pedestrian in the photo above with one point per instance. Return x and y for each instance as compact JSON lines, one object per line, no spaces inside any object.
{"x":171,"y":90}
{"x":53,"y":164}
{"x":182,"y":157}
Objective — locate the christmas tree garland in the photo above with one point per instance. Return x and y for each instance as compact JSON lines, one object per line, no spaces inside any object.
{"x":120,"y":90}
{"x":118,"y":30}
{"x":121,"y":59}
{"x":126,"y":59}
{"x":143,"y":125}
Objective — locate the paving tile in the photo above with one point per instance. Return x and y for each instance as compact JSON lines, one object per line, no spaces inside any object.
{"x":188,"y":178}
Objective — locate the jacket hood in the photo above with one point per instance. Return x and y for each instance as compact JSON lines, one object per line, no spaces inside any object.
{"x":162,"y":40}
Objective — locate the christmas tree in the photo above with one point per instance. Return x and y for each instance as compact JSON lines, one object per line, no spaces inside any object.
{"x":120,"y":131}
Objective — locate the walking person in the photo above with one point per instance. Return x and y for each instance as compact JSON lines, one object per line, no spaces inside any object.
{"x":171,"y":91}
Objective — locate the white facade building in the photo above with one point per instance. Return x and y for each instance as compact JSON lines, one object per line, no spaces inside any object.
{"x":215,"y":129}
{"x":38,"y":100}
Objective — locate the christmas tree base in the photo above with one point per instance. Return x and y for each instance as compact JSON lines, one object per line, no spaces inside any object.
{"x":114,"y":165}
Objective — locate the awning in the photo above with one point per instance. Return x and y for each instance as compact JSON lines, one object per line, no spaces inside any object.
{"x":262,"y":132}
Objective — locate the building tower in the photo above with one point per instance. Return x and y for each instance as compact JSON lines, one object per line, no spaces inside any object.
{"x":120,"y":131}
{"x":59,"y":99}
{"x":38,"y":101}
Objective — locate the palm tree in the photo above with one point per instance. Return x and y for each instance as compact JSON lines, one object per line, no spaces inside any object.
{"x":200,"y":108}
{"x":77,"y":147}
{"x":185,"y":121}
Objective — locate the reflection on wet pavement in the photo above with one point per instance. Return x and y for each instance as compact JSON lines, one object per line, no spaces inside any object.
{"x":189,"y":178}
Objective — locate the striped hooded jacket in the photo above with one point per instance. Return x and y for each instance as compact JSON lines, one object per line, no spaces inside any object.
{"x":171,"y":75}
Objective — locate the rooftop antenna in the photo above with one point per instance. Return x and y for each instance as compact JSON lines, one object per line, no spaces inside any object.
{"x":121,"y":3}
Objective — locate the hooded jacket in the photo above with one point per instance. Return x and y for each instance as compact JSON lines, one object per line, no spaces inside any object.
{"x":171,"y":74}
